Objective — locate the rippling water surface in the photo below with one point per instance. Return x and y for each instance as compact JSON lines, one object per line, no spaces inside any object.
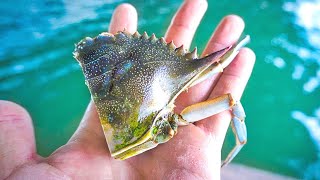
{"x":38,"y":71}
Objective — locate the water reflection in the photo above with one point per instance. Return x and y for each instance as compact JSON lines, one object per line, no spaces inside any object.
{"x":313,"y":83}
{"x":298,"y":72}
{"x":312,"y":123}
{"x":307,"y":15}
{"x":38,"y":39}
{"x":276,"y":61}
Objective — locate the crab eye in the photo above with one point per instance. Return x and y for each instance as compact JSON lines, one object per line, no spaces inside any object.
{"x":104,"y":38}
{"x":86,"y":42}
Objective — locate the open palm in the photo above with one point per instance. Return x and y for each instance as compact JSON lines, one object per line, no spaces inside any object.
{"x":194,"y":153}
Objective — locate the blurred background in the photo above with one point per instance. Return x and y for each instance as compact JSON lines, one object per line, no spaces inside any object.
{"x":37,"y":70}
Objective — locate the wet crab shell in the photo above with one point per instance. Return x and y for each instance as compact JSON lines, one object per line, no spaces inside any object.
{"x":132,"y":78}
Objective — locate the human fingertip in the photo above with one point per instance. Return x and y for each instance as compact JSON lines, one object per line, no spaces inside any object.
{"x":226,"y":33}
{"x":8,"y":108}
{"x":248,"y":55}
{"x":202,"y":3}
{"x":197,"y":1}
{"x":127,"y":7}
{"x":124,"y":17}
{"x":242,"y":65}
{"x":234,"y":19}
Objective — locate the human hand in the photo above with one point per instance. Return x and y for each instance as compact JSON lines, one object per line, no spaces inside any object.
{"x":194,"y":153}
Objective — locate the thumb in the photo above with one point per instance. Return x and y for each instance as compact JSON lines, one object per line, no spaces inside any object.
{"x":17,"y":143}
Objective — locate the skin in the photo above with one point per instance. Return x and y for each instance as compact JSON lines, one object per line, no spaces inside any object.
{"x":194,"y":153}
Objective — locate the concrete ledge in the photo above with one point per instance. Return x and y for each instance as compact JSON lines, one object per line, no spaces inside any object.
{"x":239,"y":172}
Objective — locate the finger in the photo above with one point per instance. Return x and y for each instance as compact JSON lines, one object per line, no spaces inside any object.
{"x":233,"y":80}
{"x":124,"y":17}
{"x":17,"y":143}
{"x":89,"y":130}
{"x":227,"y":33}
{"x":185,"y":22}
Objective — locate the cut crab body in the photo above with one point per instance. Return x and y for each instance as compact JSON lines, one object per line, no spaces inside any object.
{"x":134,"y":81}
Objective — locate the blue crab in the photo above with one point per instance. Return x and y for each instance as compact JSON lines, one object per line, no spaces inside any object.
{"x":134,"y":80}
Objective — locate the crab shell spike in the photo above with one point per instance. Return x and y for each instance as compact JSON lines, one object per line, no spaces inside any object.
{"x":128,"y":34}
{"x":171,"y":45}
{"x":136,"y":34}
{"x":180,"y":50}
{"x":163,"y":41}
{"x":153,"y":38}
{"x":145,"y":35}
{"x":75,"y":52}
{"x":192,"y":55}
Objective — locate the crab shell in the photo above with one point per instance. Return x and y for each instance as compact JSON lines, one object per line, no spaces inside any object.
{"x":134,"y":80}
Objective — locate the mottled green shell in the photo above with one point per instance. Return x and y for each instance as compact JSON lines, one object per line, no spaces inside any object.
{"x":131,"y":79}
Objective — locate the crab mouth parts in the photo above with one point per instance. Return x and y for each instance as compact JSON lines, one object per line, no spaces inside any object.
{"x":146,"y":142}
{"x":136,"y":150}
{"x":142,"y":145}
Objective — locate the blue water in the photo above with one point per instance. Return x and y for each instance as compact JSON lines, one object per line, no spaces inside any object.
{"x":37,"y":70}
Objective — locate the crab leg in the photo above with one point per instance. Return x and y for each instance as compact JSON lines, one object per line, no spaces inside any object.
{"x":209,"y":108}
{"x":239,"y":130}
{"x":224,"y":61}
